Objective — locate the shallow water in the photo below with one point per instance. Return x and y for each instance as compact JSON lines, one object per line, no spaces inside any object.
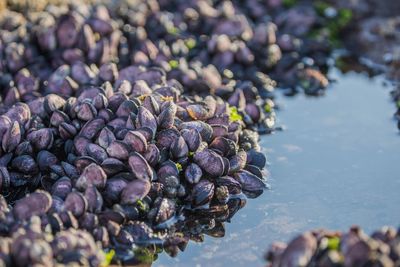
{"x":335,"y":165}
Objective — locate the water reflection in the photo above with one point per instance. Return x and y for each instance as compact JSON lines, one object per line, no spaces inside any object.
{"x":334,"y":166}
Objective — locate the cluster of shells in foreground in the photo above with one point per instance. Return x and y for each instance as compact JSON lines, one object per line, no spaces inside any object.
{"x":122,"y":166}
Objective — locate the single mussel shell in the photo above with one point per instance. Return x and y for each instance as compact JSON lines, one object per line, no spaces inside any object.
{"x":146,"y":119}
{"x":202,"y":110}
{"x":82,"y":162}
{"x":224,"y":146}
{"x":62,"y":187}
{"x":254,"y":111}
{"x":119,"y":150}
{"x":67,"y":131}
{"x":37,"y":203}
{"x":45,"y":159}
{"x":80,"y":72}
{"x":96,"y":152}
{"x":169,"y":181}
{"x":252,"y":186}
{"x":167,"y":116}
{"x":5,"y":159}
{"x":19,"y":112}
{"x":5,"y":179}
{"x":210,"y":162}
{"x":92,"y":128}
{"x":76,"y":203}
{"x":57,"y":205}
{"x":166,"y":137}
{"x":192,"y":138}
{"x":124,"y":87}
{"x":91,"y":175}
{"x":167,"y":168}
{"x":179,"y":148}
{"x":256,"y":158}
{"x":126,"y":108}
{"x":255,"y":170}
{"x":136,"y":141}
{"x":234,"y":205}
{"x":41,"y":139}
{"x":108,"y":72}
{"x":193,"y":173}
{"x":134,"y":191}
{"x":86,"y":111}
{"x":106,"y":137}
{"x":149,"y":102}
{"x":237,"y":162}
{"x":24,"y":148}
{"x":139,"y":167}
{"x":219,"y":130}
{"x":58,"y":117}
{"x":226,"y":166}
{"x":53,"y":102}
{"x":12,"y":137}
{"x":88,"y":221}
{"x":112,"y":166}
{"x":100,"y":102}
{"x":203,"y":128}
{"x":5,"y":124}
{"x":116,"y":100}
{"x":94,"y":199}
{"x":25,"y":164}
{"x":152,"y":155}
{"x":67,"y":30}
{"x":70,"y":170}
{"x":57,"y":170}
{"x":202,"y":193}
{"x":113,"y":189}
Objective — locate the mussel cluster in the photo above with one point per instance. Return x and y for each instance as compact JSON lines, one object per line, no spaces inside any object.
{"x":333,"y":248}
{"x":127,"y":161}
{"x":137,"y":121}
